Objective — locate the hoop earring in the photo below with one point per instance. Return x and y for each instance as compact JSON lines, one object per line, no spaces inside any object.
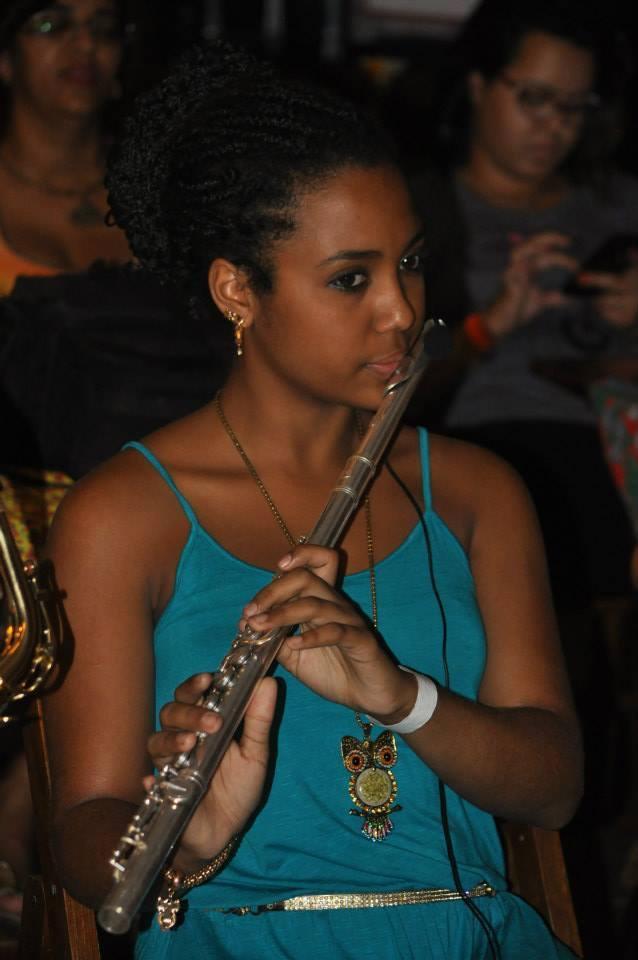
{"x":238,"y":331}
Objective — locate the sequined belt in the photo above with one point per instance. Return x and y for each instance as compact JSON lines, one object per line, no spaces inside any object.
{"x":360,"y":901}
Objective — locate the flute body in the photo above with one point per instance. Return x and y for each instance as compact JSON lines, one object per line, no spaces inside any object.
{"x":179,"y":786}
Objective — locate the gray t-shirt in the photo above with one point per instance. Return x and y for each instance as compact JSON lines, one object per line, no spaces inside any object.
{"x":502,"y":386}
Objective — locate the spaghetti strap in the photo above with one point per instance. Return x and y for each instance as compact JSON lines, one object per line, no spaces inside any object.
{"x":424,"y":449}
{"x":165,"y":475}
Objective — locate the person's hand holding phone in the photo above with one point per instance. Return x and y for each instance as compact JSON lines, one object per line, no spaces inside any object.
{"x":523,"y":294}
{"x":617,"y":299}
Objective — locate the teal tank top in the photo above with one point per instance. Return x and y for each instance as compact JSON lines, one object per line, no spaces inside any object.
{"x":303,"y":839}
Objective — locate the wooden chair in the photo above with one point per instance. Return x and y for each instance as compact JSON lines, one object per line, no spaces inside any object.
{"x":54,"y":925}
{"x":536,"y":871}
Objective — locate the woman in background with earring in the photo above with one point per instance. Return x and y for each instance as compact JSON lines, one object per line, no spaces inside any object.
{"x":59,"y":67}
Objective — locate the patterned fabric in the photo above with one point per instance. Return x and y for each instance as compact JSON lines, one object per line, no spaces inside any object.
{"x":30,"y":499}
{"x":616,"y":402}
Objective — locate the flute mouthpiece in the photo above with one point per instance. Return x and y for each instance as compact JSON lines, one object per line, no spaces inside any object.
{"x":414,"y":361}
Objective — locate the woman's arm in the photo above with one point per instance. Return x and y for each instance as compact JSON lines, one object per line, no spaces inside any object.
{"x":516,"y":752}
{"x":99,"y":719}
{"x":114,"y":559}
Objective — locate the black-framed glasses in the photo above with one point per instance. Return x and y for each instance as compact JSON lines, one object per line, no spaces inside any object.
{"x":539,"y":99}
{"x":104,"y":26}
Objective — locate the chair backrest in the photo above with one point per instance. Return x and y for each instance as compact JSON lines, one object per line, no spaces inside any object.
{"x":537,"y":873}
{"x":54,"y":925}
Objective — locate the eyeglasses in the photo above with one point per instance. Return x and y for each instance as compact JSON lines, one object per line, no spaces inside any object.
{"x":538,"y":99}
{"x":103,"y":27}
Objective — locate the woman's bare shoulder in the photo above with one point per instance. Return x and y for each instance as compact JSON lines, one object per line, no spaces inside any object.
{"x":471,"y":485}
{"x":457,"y":457}
{"x":454,"y":465}
{"x":444,"y":450}
{"x":122,"y":501}
{"x":128,"y":486}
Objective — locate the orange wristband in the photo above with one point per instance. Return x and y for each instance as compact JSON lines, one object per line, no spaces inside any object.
{"x":477,"y":333}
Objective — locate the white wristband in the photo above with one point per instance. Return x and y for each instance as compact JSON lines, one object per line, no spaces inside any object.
{"x":424,"y":706}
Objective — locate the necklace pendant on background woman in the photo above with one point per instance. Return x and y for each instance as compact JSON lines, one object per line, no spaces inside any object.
{"x":84,"y":213}
{"x":372,"y":785}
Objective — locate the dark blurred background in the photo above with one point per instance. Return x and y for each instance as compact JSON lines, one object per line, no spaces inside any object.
{"x":67,"y":341}
{"x":393,"y":54}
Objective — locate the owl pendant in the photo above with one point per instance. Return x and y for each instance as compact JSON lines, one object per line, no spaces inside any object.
{"x":372,"y":785}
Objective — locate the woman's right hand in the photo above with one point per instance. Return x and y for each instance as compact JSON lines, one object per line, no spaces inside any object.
{"x":237,"y":785}
{"x":520,"y":298}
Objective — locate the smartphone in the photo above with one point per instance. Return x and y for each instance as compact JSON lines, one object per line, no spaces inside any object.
{"x":615,"y":255}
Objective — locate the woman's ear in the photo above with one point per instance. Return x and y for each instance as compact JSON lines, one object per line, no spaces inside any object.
{"x":231,"y":291}
{"x":475,"y":87}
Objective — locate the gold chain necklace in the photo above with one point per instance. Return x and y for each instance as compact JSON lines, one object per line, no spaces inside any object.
{"x":372,"y":785}
{"x":293,"y":541}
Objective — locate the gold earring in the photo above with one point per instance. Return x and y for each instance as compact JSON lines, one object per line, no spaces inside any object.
{"x":238,"y":332}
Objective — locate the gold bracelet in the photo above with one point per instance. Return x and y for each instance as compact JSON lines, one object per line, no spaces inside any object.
{"x":177,"y":884}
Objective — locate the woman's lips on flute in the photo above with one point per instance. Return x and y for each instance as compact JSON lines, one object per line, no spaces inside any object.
{"x":384,"y":367}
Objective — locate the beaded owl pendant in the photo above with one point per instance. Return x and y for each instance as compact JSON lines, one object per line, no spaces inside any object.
{"x":372,"y":785}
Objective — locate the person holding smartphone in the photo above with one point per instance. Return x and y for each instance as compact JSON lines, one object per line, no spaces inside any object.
{"x":516,"y":241}
{"x":511,"y":232}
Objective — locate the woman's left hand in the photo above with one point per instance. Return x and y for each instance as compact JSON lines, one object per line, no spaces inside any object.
{"x":617,"y":302}
{"x":337,"y":655}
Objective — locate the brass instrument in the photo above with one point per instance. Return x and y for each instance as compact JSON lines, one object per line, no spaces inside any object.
{"x":29,"y":622}
{"x":180,"y":785}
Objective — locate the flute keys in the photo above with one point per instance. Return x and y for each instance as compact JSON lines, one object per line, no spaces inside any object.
{"x":213,"y":700}
{"x":236,"y":659}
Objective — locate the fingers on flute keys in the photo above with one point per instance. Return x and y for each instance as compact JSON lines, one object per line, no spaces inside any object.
{"x":181,"y":719}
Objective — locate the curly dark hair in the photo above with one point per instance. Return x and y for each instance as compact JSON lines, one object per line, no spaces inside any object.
{"x":213,"y":160}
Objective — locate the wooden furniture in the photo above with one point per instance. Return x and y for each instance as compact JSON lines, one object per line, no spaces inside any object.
{"x":54,"y":925}
{"x":536,"y":871}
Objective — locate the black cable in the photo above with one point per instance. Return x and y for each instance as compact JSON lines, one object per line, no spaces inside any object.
{"x":490,"y":933}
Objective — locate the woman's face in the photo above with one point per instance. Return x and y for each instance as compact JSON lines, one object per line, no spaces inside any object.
{"x":527,"y":119}
{"x":66,"y":57}
{"x":348,"y":298}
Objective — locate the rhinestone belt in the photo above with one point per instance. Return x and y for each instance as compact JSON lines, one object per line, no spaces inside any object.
{"x":359,"y":901}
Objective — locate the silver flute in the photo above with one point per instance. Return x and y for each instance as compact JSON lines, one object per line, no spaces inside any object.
{"x":179,"y":786}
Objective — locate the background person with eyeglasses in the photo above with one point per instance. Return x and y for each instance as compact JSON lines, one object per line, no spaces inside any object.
{"x":528,"y":197}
